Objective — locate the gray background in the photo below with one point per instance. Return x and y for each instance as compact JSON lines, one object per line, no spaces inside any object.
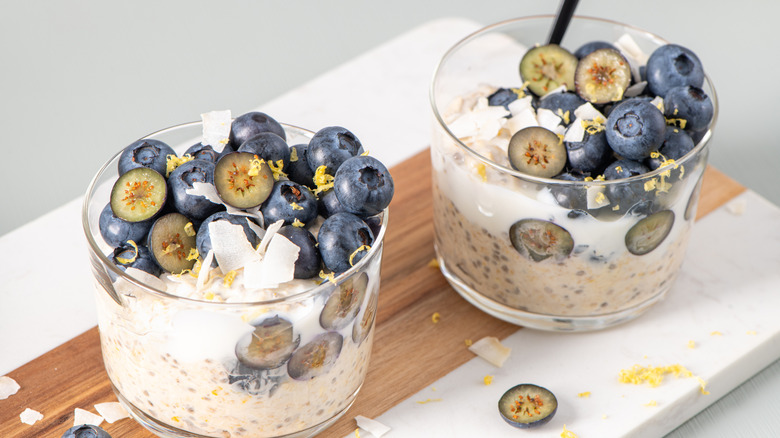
{"x":79,"y":80}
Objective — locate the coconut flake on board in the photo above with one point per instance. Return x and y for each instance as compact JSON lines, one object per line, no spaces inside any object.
{"x":371,"y":426}
{"x":111,"y":411}
{"x":81,"y":416}
{"x":8,"y":387}
{"x":491,"y":349}
{"x":216,"y":129}
{"x":30,"y":416}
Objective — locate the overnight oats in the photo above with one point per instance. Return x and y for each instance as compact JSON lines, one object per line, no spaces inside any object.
{"x":565,"y":183}
{"x":237,"y":272}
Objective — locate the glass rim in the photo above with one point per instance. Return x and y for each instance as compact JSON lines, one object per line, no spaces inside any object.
{"x":94,"y":247}
{"x":701,"y":145}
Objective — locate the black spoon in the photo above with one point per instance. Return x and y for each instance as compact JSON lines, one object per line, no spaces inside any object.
{"x":562,"y":20}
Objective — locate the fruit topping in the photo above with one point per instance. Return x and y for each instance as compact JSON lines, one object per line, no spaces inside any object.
{"x":562,"y":104}
{"x":505,"y":96}
{"x":149,"y":153}
{"x":363,"y":186}
{"x":132,"y":255}
{"x":365,"y":321}
{"x":243,"y":180}
{"x":315,"y":358}
{"x":635,"y":128}
{"x":182,"y":179}
{"x":590,"y":155}
{"x":676,"y":144}
{"x":289,"y":202}
{"x":690,"y":104}
{"x":298,"y":170}
{"x":672,"y":66}
{"x":602,"y":76}
{"x":539,"y":239}
{"x":344,"y":302}
{"x":628,"y":195}
{"x":525,"y":406}
{"x":537,"y":151}
{"x":116,"y":231}
{"x":172,"y":242}
{"x":203,"y":237}
{"x":255,"y":381}
{"x":138,"y":194}
{"x":269,"y":346}
{"x":332,"y":146}
{"x":250,"y":124}
{"x":546,"y":68}
{"x":199,"y":151}
{"x":86,"y":431}
{"x":328,"y":204}
{"x":269,"y":147}
{"x":309,"y":260}
{"x":344,"y":239}
{"x":649,"y":232}
{"x":570,"y":196}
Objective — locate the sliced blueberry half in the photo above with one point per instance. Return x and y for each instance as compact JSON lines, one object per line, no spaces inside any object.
{"x":649,"y":232}
{"x":171,"y":242}
{"x":602,"y":76}
{"x":138,"y":194}
{"x":537,"y":151}
{"x":315,"y":358}
{"x":343,"y":304}
{"x":362,"y":326}
{"x":269,"y":346}
{"x":546,"y":68}
{"x":526,"y":406}
{"x":540,"y":239}
{"x":243,"y":180}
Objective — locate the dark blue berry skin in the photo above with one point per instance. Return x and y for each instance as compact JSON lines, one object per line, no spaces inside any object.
{"x":635,"y":128}
{"x":502,"y":97}
{"x":329,"y":204}
{"x":364,"y":186}
{"x":561,"y":103}
{"x":627,"y":195}
{"x":116,"y":231}
{"x":182,"y":179}
{"x":86,"y":431}
{"x":571,"y":197}
{"x":676,"y":144}
{"x":145,"y":153}
{"x":587,"y":48}
{"x":269,"y":147}
{"x":203,"y":238}
{"x":281,"y":204}
{"x":250,"y":124}
{"x":672,"y":66}
{"x":332,"y":146}
{"x":143,"y":258}
{"x":340,"y":236}
{"x":624,"y":169}
{"x":590,"y":155}
{"x":299,"y":170}
{"x":309,"y":259}
{"x":689,"y":103}
{"x":200,"y":152}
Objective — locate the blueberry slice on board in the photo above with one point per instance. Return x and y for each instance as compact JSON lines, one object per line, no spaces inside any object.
{"x":362,"y":326}
{"x":546,"y":68}
{"x":525,"y":406}
{"x":269,"y":346}
{"x":315,"y":358}
{"x":170,"y":242}
{"x":602,"y":76}
{"x":537,"y":151}
{"x":649,"y":232}
{"x":540,"y":239}
{"x":243,"y":180}
{"x":343,"y":304}
{"x":138,"y":194}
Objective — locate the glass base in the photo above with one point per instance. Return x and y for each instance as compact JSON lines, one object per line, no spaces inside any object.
{"x":541,"y":321}
{"x":164,"y":430}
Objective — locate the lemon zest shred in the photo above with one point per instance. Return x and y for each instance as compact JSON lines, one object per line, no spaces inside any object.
{"x":600,"y":197}
{"x":567,"y":433}
{"x":189,"y":229}
{"x":276,"y":169}
{"x":255,"y":165}
{"x":593,"y":126}
{"x":429,"y":400}
{"x":716,"y":333}
{"x":691,"y":344}
{"x":357,"y":434}
{"x":176,"y":419}
{"x":125,"y":261}
{"x":616,"y":207}
{"x":194,"y":254}
{"x":650,"y":185}
{"x":619,"y":168}
{"x":651,"y":403}
{"x":297,"y":223}
{"x":322,"y":180}
{"x":331,"y":277}
{"x":482,"y":172}
{"x":229,"y":277}
{"x":172,"y":162}
{"x":585,"y":394}
{"x":677,"y":122}
{"x":653,"y":376}
{"x":295,"y":206}
{"x":293,"y":155}
{"x":488,"y":380}
{"x":352,"y":256}
{"x":196,"y":268}
{"x":434,"y":263}
{"x":468,"y":342}
{"x":751,"y":332}
{"x":209,"y":296}
{"x":435,"y":318}
{"x":365,"y":153}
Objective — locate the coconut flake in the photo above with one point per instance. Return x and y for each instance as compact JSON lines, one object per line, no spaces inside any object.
{"x":586,"y":111}
{"x":522,"y":120}
{"x":548,"y":119}
{"x":269,"y":234}
{"x":276,"y":267}
{"x":658,"y":102}
{"x":8,"y":387}
{"x":560,"y":89}
{"x":371,"y":426}
{"x":206,"y":190}
{"x":633,"y":54}
{"x":470,"y":123}
{"x":81,"y":416}
{"x":216,"y":129}
{"x":517,"y":106}
{"x":575,"y":133}
{"x":231,"y":247}
{"x":636,"y":89}
{"x":111,"y":411}
{"x":122,"y":286}
{"x":490,"y":349}
{"x":205,"y":268}
{"x":30,"y":416}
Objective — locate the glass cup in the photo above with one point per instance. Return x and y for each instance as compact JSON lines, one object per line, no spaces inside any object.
{"x":173,"y":361}
{"x":618,"y":244}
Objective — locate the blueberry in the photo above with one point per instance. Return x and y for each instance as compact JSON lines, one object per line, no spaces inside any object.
{"x":676,"y":144}
{"x":199,"y":151}
{"x":139,"y":194}
{"x":628,"y":195}
{"x":525,"y":406}
{"x":328,"y":204}
{"x":546,"y":68}
{"x":592,"y":46}
{"x":624,"y":169}
{"x":344,"y":302}
{"x":571,"y":197}
{"x":672,"y":66}
{"x":298,"y":170}
{"x":562,"y":104}
{"x":203,"y":238}
{"x":242,"y":180}
{"x":315,"y":358}
{"x":116,"y":231}
{"x":344,"y":239}
{"x":589,"y":155}
{"x":503,"y":97}
{"x":363,"y":186}
{"x":332,"y":146}
{"x":250,"y":124}
{"x":269,"y":346}
{"x":269,"y":147}
{"x":363,"y":324}
{"x":145,"y":153}
{"x":86,"y":431}
{"x":135,"y":255}
{"x":537,"y":151}
{"x":257,"y":381}
{"x":309,"y":260}
{"x":647,"y":234}
{"x":289,"y":201}
{"x":635,"y":128}
{"x":171,"y":242}
{"x":691,"y":104}
{"x":182,"y":179}
{"x":539,"y":239}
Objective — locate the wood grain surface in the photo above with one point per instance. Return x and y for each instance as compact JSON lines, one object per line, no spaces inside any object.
{"x":410,"y":351}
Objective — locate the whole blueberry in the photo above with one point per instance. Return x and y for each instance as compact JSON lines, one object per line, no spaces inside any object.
{"x":588,"y":48}
{"x":624,"y":169}
{"x":199,"y":151}
{"x":672,"y":66}
{"x":332,"y":146}
{"x":502,"y":97}
{"x":250,"y":124}
{"x":676,"y":144}
{"x":343,"y":240}
{"x":589,"y":155}
{"x":562,"y":104}
{"x":269,"y":147}
{"x":298,"y":170}
{"x":86,"y":431}
{"x":138,"y":257}
{"x":203,"y":238}
{"x":289,"y":201}
{"x":635,"y":128}
{"x":182,"y":179}
{"x":573,"y":197}
{"x":145,"y":153}
{"x":627,"y":194}
{"x":364,"y":186}
{"x":116,"y":231}
{"x":328,"y":204}
{"x":308,"y":263}
{"x":689,"y":103}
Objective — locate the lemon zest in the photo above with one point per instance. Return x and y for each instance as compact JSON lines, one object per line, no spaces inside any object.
{"x":488,"y":380}
{"x":653,"y":376}
{"x":352,"y":256}
{"x":189,"y":229}
{"x":619,"y":168}
{"x":125,"y":261}
{"x":593,"y":126}
{"x":716,"y":333}
{"x":322,"y":180}
{"x":297,"y":223}
{"x":295,"y":206}
{"x":482,"y":172}
{"x":293,"y":155}
{"x":194,"y":254}
{"x":229,"y":277}
{"x":616,"y":207}
{"x":434,"y":263}
{"x":751,"y":332}
{"x":435,"y":317}
{"x":565,"y":116}
{"x":677,"y":122}
{"x":468,"y":342}
{"x":650,"y":185}
{"x":176,"y":419}
{"x":585,"y":394}
{"x":651,"y":403}
{"x":357,"y":434}
{"x":276,"y":169}
{"x":172,"y":162}
{"x":255,"y":166}
{"x":196,"y":268}
{"x":331,"y":277}
{"x":691,"y":344}
{"x":209,"y":296}
{"x":365,"y":153}
{"x":600,"y":198}
{"x":567,"y":433}
{"x":429,"y":400}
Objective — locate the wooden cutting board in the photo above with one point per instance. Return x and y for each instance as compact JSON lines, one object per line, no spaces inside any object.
{"x":410,"y":351}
